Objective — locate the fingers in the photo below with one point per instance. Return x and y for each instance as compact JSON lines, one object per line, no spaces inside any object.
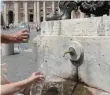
{"x":39,"y":78}
{"x":24,"y":30}
{"x":38,"y":73}
{"x":24,"y":37}
{"x":24,"y":33}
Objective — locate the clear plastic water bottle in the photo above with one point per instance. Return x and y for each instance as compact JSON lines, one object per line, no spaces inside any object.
{"x":37,"y":88}
{"x":23,"y":26}
{"x":24,"y":45}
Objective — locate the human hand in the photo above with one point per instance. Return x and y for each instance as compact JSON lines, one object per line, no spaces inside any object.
{"x":36,"y":77}
{"x":21,"y":36}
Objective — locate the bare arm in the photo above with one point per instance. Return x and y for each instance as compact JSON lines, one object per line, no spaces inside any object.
{"x":7,"y":38}
{"x":14,"y":87}
{"x":17,"y":86}
{"x":14,"y":38}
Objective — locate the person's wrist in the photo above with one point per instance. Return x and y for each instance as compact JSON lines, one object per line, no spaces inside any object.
{"x":24,"y":83}
{"x":13,"y":37}
{"x":28,"y":81}
{"x":16,"y":38}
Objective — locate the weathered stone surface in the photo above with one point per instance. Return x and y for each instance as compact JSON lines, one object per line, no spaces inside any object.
{"x":83,"y":90}
{"x":59,"y":86}
{"x":94,"y":26}
{"x":95,"y":69}
{"x":50,"y":51}
{"x":94,"y":35}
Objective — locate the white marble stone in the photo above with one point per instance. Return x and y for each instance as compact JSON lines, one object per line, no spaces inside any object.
{"x":94,"y":26}
{"x":26,"y":11}
{"x":93,"y":34}
{"x":53,"y":6}
{"x":5,"y":13}
{"x":95,"y":70}
{"x":38,"y":13}
{"x":49,"y":52}
{"x":16,"y":11}
{"x":35,"y":11}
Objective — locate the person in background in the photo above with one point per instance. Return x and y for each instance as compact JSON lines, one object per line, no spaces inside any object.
{"x":8,"y":88}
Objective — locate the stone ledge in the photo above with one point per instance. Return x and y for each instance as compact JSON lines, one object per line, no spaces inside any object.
{"x":94,"y":26}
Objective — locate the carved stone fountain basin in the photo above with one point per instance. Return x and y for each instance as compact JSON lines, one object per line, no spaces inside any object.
{"x":88,"y":76}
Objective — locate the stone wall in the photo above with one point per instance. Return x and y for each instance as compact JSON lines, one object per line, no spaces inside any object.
{"x":92,"y":76}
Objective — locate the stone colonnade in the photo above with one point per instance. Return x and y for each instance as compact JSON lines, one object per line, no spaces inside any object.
{"x":36,"y":12}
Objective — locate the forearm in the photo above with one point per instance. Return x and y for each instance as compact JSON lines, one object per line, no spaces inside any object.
{"x":14,"y":87}
{"x":7,"y":38}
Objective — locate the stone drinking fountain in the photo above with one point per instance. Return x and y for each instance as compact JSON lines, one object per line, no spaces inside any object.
{"x":75,"y":55}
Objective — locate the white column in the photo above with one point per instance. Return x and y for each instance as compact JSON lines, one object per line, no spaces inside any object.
{"x":26,"y":11}
{"x":16,"y":12}
{"x":5,"y":13}
{"x":38,"y":13}
{"x":35,"y":11}
{"x":72,"y":14}
{"x":44,"y":11}
{"x":53,"y":6}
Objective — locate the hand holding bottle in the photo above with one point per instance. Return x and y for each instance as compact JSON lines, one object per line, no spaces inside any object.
{"x":24,"y":28}
{"x":21,"y":36}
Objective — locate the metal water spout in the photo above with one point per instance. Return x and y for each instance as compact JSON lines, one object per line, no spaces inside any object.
{"x":71,"y":51}
{"x":73,"y":54}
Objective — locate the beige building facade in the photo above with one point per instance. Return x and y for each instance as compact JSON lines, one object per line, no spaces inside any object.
{"x":27,"y":11}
